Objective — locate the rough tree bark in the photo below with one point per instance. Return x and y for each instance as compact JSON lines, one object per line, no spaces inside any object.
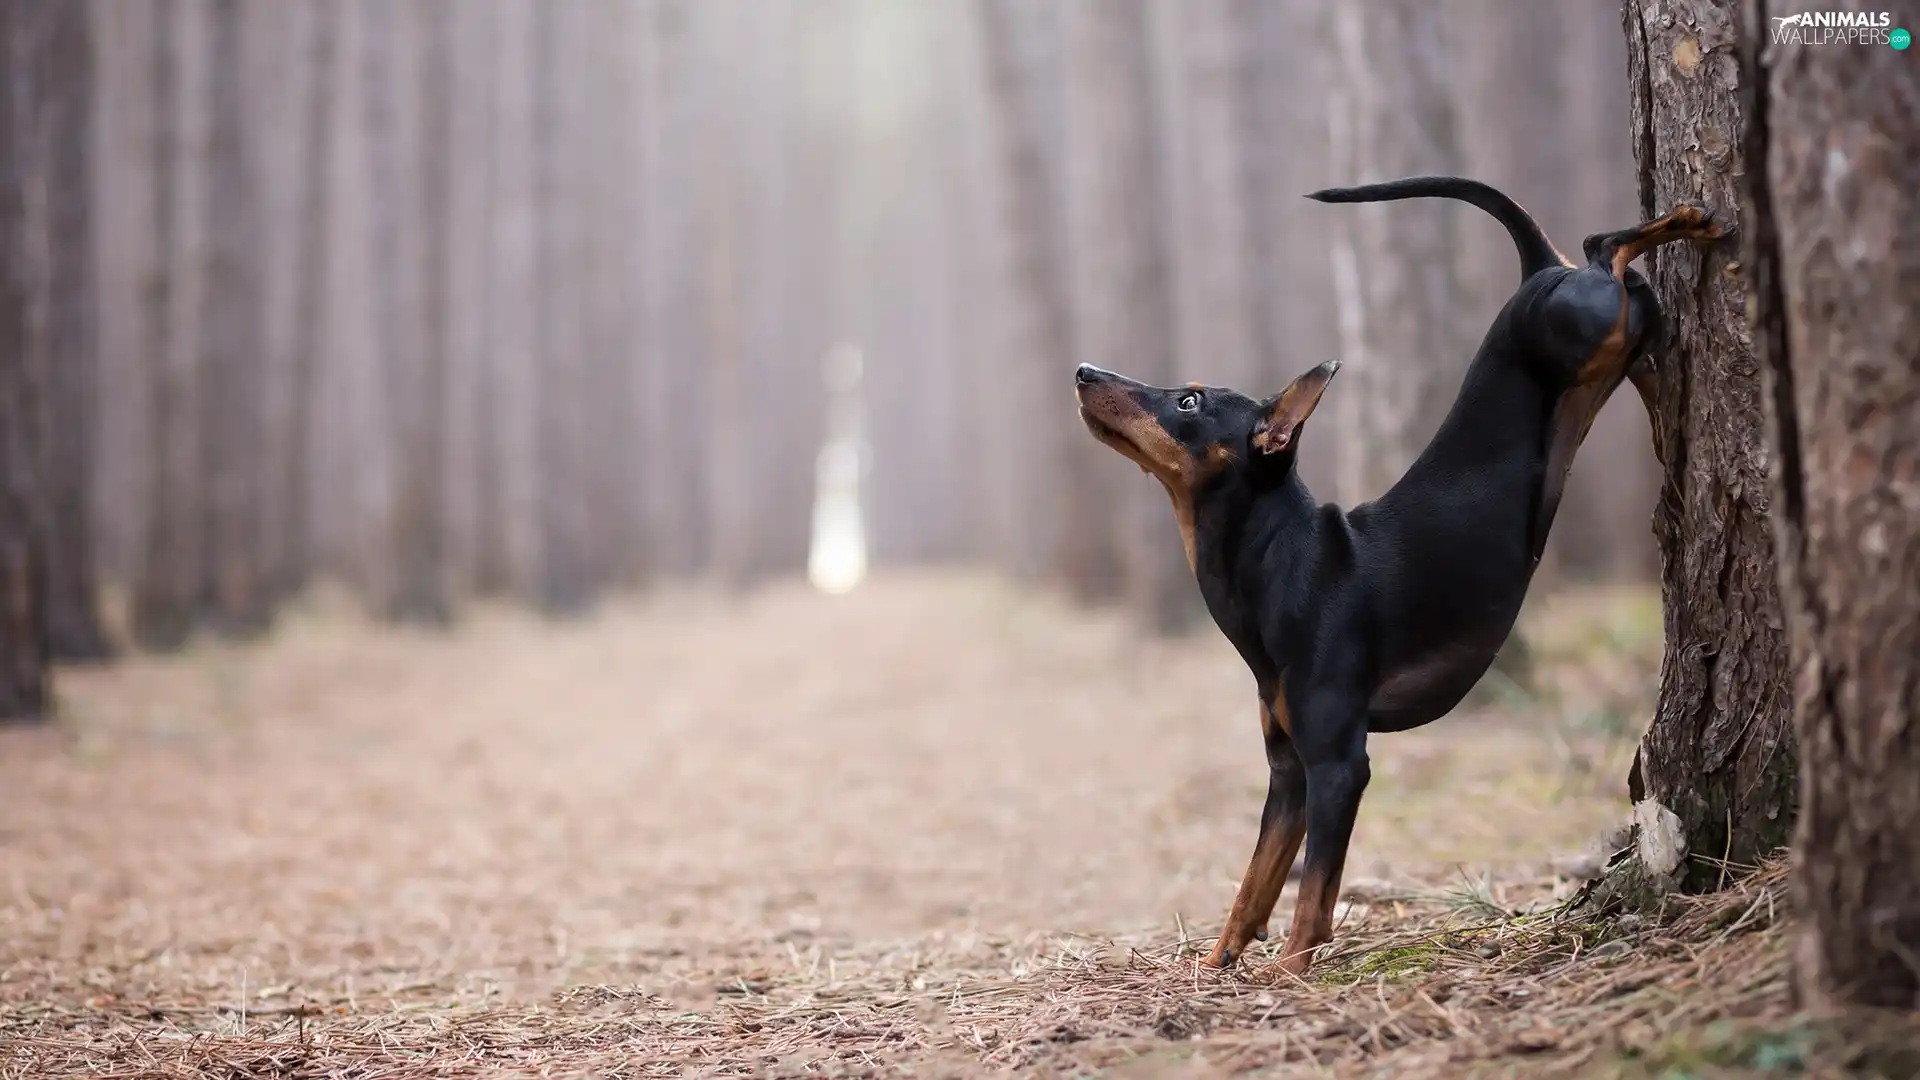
{"x":1714,"y":777}
{"x":1833,"y":237}
{"x":23,"y":625}
{"x":63,"y":349}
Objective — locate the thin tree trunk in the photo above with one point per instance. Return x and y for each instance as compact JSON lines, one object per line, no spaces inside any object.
{"x":674,"y":394}
{"x":492,"y":536}
{"x":165,"y":595}
{"x":1198,"y":63}
{"x":23,"y":621}
{"x":233,"y":585}
{"x":62,"y":226}
{"x":1714,"y":779}
{"x":1833,"y":234}
{"x":1063,"y":474}
{"x":1404,"y":341}
{"x":565,"y":582}
{"x":310,"y":305}
{"x":1126,"y":309}
{"x":416,"y":361}
{"x":1283,"y":145}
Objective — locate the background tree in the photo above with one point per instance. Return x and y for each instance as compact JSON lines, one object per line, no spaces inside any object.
{"x":231,"y":405}
{"x":23,"y":621}
{"x":293,"y":567}
{"x":167,"y":589}
{"x":672,"y":393}
{"x":1281,"y":106}
{"x":1714,"y":778}
{"x":58,"y":240}
{"x":411,"y":106}
{"x":1124,"y":299}
{"x":409,"y":301}
{"x":1404,"y":334}
{"x":1051,"y":467}
{"x":1834,"y":243}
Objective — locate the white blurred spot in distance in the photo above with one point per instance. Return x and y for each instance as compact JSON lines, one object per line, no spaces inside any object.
{"x":837,"y":559}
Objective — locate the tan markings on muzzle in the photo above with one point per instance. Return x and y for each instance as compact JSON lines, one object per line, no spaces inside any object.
{"x":1116,"y":419}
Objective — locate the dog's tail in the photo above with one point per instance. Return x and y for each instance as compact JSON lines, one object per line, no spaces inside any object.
{"x":1536,"y":251}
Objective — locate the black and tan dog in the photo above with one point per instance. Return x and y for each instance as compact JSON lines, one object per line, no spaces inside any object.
{"x":1381,"y":618}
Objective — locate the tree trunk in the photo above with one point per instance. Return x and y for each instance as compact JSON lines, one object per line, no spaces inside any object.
{"x":673,"y":396}
{"x":565,"y":584}
{"x":23,"y":621}
{"x":1199,"y":64}
{"x":1714,"y":777}
{"x":493,"y":416}
{"x":310,"y":306}
{"x":1125,"y":310}
{"x":166,"y":592}
{"x":1833,"y":234}
{"x":717,"y":147}
{"x":233,"y":580}
{"x":1060,"y":468}
{"x":1404,"y":341}
{"x":62,"y":246}
{"x":416,"y":354}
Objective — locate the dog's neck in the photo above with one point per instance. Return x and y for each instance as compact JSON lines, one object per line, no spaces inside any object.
{"x":1249,"y":541}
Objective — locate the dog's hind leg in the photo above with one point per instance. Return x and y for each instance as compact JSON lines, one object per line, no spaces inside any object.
{"x":1615,"y":250}
{"x":1615,"y":357}
{"x":1283,"y":822}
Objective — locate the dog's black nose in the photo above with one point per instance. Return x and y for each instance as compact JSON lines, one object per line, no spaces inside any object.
{"x":1086,"y":373}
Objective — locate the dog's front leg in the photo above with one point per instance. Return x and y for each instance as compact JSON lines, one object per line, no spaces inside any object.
{"x":1333,"y":745}
{"x":1283,"y":822}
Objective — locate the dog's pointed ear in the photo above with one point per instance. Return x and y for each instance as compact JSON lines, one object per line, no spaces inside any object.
{"x":1277,"y":430}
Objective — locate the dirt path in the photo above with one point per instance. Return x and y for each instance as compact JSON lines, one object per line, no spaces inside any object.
{"x":560,"y":850}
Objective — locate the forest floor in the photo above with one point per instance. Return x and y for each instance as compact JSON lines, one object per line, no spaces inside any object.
{"x":933,"y":828}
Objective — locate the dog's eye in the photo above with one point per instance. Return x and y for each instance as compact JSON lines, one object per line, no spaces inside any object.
{"x":1189,"y":402}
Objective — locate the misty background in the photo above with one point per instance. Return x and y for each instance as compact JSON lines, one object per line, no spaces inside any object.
{"x":441,"y":301}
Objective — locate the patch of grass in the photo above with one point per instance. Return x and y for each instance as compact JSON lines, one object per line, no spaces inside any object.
{"x":1400,"y":961}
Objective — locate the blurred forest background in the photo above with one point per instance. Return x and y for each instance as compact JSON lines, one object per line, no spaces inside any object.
{"x":450,"y":300}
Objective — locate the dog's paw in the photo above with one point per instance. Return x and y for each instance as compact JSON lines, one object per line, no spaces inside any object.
{"x":1709,"y":226}
{"x":1221,"y":957}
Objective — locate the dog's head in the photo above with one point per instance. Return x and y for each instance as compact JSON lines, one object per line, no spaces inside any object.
{"x":1190,"y":435}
